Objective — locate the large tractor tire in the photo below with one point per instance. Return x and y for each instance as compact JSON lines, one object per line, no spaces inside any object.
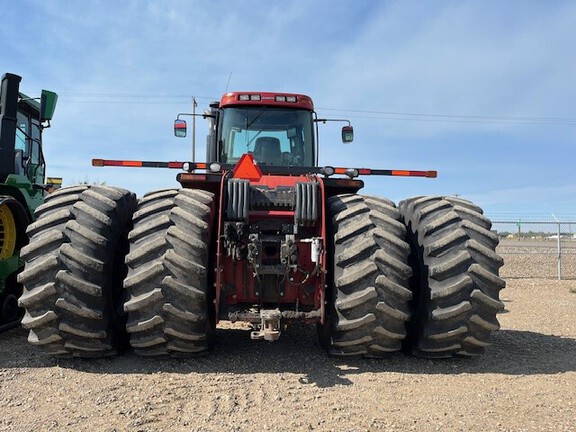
{"x":74,"y":267}
{"x":170,"y":306}
{"x":368,"y":293}
{"x":455,"y":283}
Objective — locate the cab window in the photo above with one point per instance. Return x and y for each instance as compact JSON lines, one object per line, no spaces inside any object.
{"x":274,"y":136}
{"x":22,"y":133}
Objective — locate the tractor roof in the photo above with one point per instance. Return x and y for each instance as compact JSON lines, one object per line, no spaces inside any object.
{"x":32,"y":104}
{"x":287,"y":100}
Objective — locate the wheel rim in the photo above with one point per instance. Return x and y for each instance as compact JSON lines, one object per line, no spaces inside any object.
{"x":7,"y":232}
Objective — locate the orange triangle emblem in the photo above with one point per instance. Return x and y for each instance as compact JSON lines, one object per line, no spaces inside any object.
{"x":246,"y":168}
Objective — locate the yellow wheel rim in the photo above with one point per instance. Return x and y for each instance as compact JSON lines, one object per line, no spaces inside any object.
{"x":7,"y":232}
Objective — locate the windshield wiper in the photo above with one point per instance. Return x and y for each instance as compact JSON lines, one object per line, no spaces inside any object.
{"x":255,"y":118}
{"x":248,"y":124}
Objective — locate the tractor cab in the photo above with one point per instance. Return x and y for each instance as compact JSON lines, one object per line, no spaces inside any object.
{"x":28,"y":157}
{"x":22,"y":120}
{"x":276,"y":129}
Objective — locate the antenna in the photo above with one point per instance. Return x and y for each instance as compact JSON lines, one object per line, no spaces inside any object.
{"x":228,"y":83}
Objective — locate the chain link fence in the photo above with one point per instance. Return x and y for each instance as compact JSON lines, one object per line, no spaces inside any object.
{"x":537,"y":249}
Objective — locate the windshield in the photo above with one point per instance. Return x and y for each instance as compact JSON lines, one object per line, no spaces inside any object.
{"x":274,"y":136}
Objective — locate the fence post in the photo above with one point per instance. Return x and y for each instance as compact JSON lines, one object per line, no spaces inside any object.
{"x":559,"y":249}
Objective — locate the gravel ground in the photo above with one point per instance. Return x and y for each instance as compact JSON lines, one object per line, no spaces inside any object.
{"x":526,"y":381}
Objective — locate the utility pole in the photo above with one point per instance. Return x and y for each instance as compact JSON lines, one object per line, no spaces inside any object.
{"x":194,"y":105}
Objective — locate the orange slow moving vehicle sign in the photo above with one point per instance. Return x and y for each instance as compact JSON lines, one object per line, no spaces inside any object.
{"x":246,"y":168}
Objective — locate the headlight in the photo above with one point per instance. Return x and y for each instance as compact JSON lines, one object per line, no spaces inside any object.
{"x":215,"y":167}
{"x":352,"y":172}
{"x":328,"y":171}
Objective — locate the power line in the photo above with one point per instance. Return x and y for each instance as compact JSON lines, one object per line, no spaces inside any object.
{"x":464,"y":120}
{"x":133,"y":98}
{"x":455,"y":118}
{"x":454,"y":115}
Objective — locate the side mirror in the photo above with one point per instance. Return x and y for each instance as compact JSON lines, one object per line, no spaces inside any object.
{"x":180,"y":128}
{"x":48,"y":101}
{"x":347,"y":134}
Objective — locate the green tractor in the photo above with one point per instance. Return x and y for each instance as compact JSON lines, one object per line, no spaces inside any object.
{"x":22,"y":181}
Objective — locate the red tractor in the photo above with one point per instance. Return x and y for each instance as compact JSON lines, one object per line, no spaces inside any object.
{"x":259,"y":233}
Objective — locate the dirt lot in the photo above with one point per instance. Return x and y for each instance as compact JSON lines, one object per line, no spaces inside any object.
{"x":526,"y":381}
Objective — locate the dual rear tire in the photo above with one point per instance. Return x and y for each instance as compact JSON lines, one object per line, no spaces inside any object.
{"x":103,"y":272}
{"x":422,"y":277}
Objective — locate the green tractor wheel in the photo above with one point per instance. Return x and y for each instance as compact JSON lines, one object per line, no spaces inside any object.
{"x":9,"y":311}
{"x":7,"y":232}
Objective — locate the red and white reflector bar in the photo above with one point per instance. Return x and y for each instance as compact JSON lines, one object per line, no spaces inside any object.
{"x":247,"y":168}
{"x":355,"y":172}
{"x":188,"y":166}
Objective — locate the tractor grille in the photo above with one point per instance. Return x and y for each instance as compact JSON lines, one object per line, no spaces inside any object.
{"x":306,"y":203}
{"x":238,"y":199}
{"x":281,"y":198}
{"x":303,"y":199}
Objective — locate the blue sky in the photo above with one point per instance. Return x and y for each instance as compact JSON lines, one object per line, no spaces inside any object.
{"x":483,"y":92}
